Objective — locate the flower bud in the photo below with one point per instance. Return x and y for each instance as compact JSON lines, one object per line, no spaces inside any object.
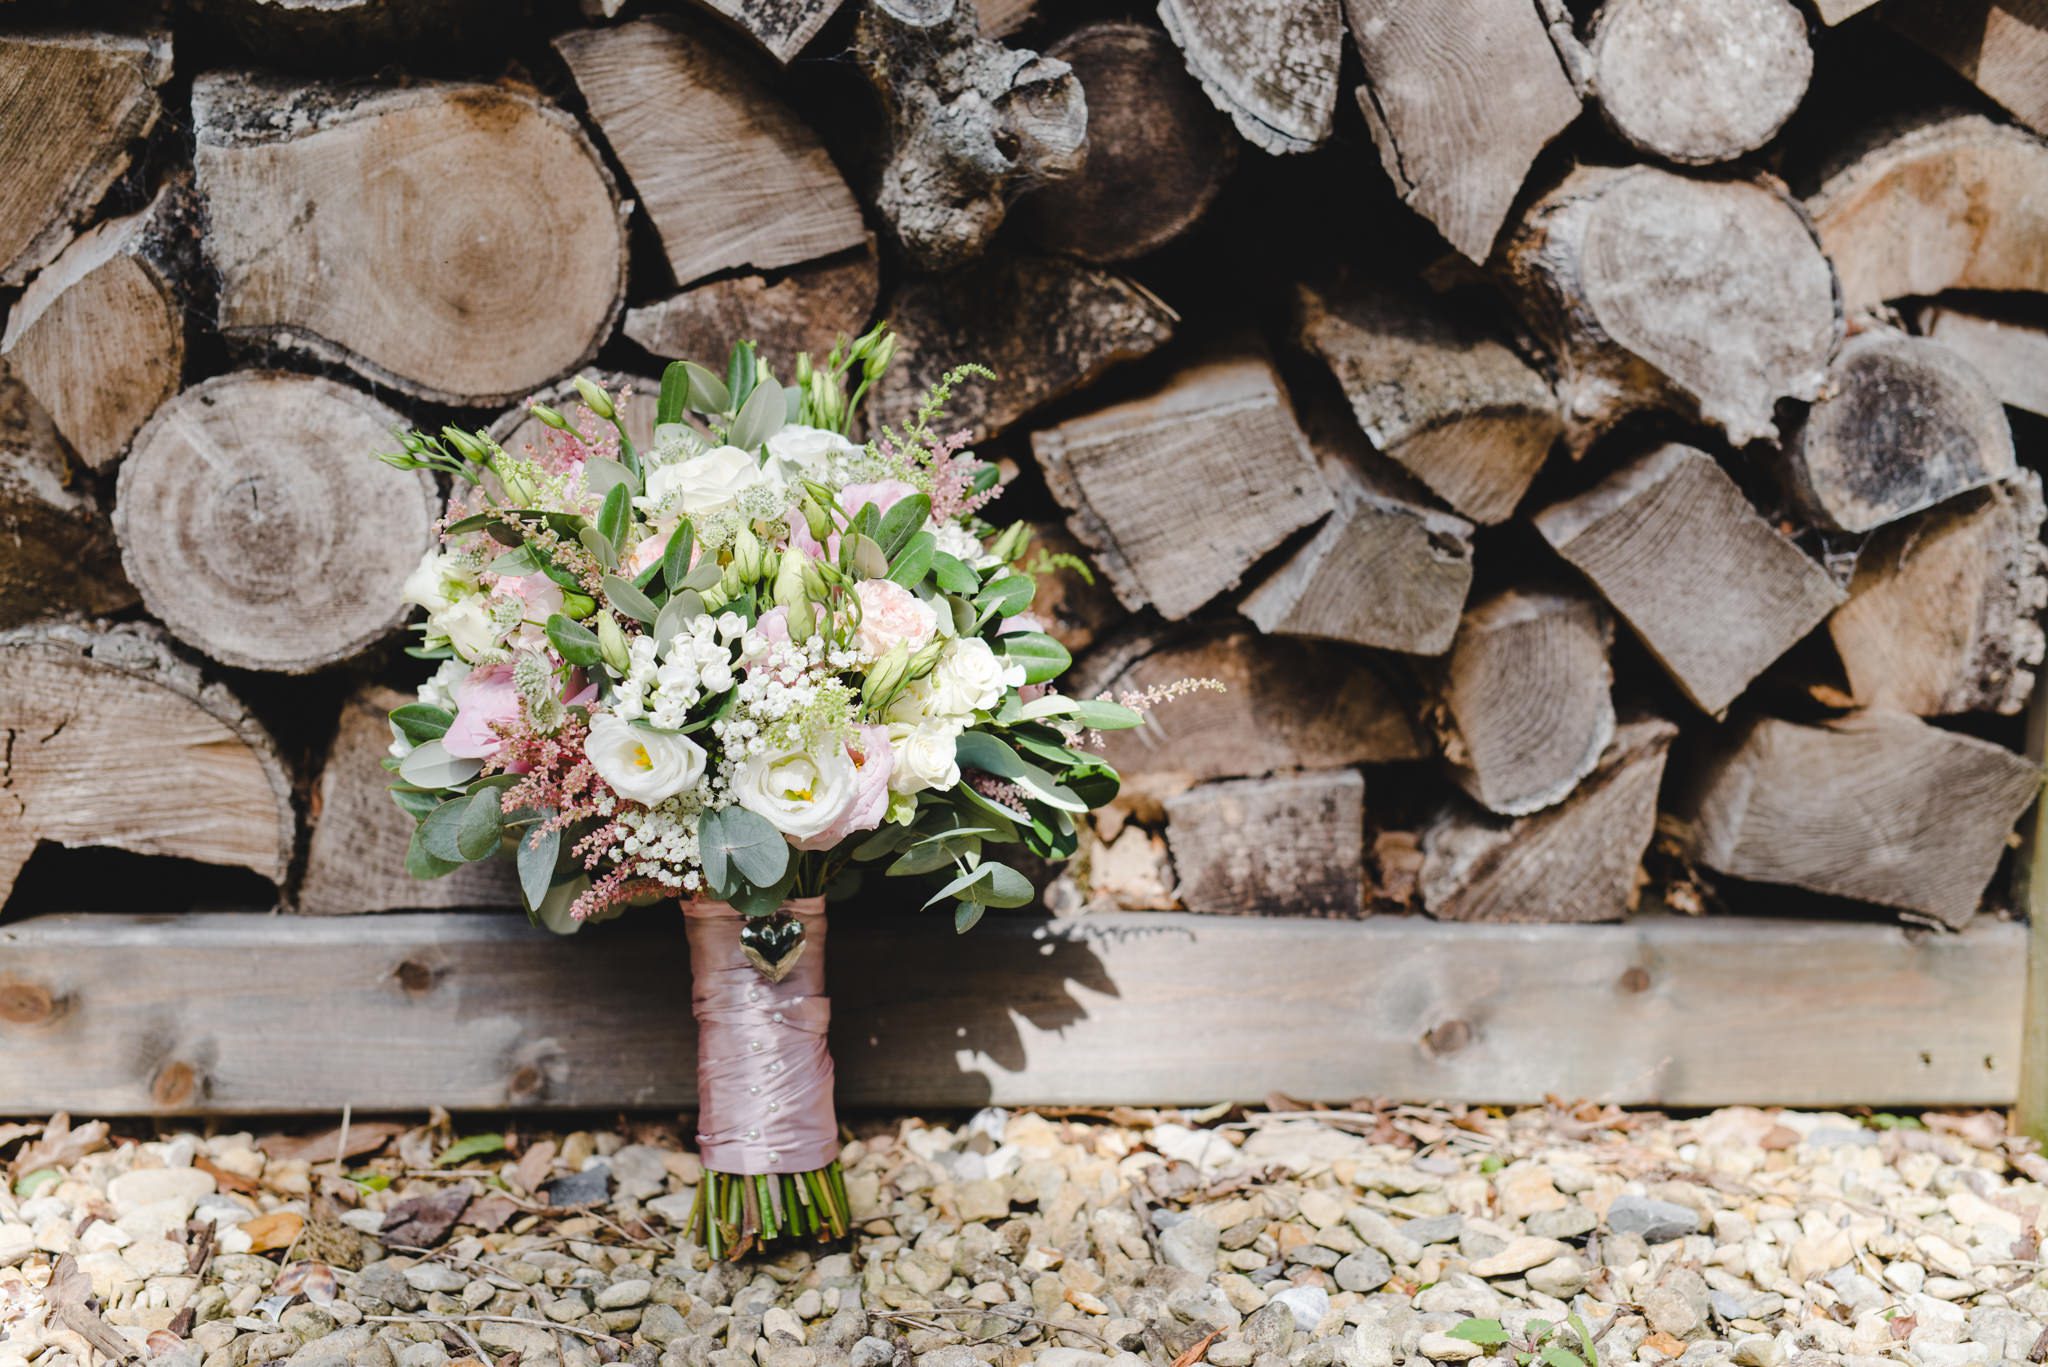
{"x":882,"y":352}
{"x":413,"y":442}
{"x":594,"y":398}
{"x":577,"y":606}
{"x":549,"y":417}
{"x":732,"y":581}
{"x":463,"y":443}
{"x":926,"y":659}
{"x":518,"y":487}
{"x":1012,"y":543}
{"x":791,"y":587}
{"x":715,"y":597}
{"x":885,"y":676}
{"x":746,"y":554}
{"x":816,"y":519}
{"x":803,"y":367}
{"x":611,"y":645}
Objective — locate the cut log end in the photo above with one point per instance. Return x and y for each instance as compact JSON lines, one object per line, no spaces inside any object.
{"x":780,"y":28}
{"x":1271,"y":65}
{"x":1699,"y":81}
{"x":1291,"y":842}
{"x":806,"y":309}
{"x":57,"y":552}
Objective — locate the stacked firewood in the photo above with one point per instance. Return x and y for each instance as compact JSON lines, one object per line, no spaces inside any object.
{"x":1592,"y":466}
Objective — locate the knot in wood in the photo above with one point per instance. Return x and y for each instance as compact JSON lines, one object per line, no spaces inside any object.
{"x":27,"y":1003}
{"x":1446,"y":1037}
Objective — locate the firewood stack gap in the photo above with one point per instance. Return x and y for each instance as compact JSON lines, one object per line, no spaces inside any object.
{"x":1593,"y":449}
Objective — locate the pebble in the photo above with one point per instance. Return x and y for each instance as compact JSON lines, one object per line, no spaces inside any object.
{"x":1441,"y":1347}
{"x":1191,"y":1245}
{"x":1308,"y":1305}
{"x":1655,"y":1222}
{"x":1518,"y":1256}
{"x":620,"y":1294}
{"x":1365,"y":1270}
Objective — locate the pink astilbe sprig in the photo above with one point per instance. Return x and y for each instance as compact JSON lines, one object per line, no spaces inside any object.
{"x":1000,"y":791}
{"x":554,"y":775}
{"x":562,"y":452}
{"x":620,"y":885}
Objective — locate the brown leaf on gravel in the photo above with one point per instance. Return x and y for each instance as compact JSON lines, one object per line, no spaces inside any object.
{"x":1194,"y":1354}
{"x":423,"y":1221}
{"x":61,"y":1146}
{"x":70,"y":1295}
{"x":232,"y":1181}
{"x":1661,"y":1342}
{"x":279,"y":1229}
{"x":364,"y":1136}
{"x":535,"y":1165}
{"x":489,"y":1213}
{"x":1902,"y":1326}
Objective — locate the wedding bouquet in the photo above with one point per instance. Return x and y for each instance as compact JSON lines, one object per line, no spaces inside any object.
{"x":737,"y":668}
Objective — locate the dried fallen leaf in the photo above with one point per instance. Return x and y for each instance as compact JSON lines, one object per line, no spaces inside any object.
{"x":61,"y":1146}
{"x":535,"y":1165}
{"x":489,"y":1213}
{"x":232,"y":1181}
{"x":279,"y":1229}
{"x":1661,"y":1342}
{"x":423,"y":1221}
{"x":364,"y":1136}
{"x":1194,"y":1354}
{"x":1902,"y":1326}
{"x":70,"y":1295}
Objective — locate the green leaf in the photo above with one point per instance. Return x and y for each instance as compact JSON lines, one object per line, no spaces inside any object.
{"x":1554,"y":1356}
{"x":420,"y":723}
{"x":538,"y":852}
{"x":740,"y":372}
{"x":1486,"y":1333}
{"x":913,"y":562}
{"x":980,"y":750}
{"x":759,"y":418}
{"x":902,"y":522}
{"x":573,"y":641}
{"x":753,"y":901}
{"x":483,"y":818}
{"x":516,"y":563}
{"x":948,"y":847}
{"x":414,"y":802}
{"x":431,"y":766}
{"x":31,"y":1184}
{"x":629,"y":600}
{"x":995,"y":885}
{"x":439,"y":830}
{"x":613,"y":517}
{"x":1043,"y":658}
{"x":601,"y":476}
{"x":1008,"y":595}
{"x":707,"y":573}
{"x":886,"y":841}
{"x":868,"y":559}
{"x":1094,"y":782}
{"x":708,"y":393}
{"x":675,"y":394}
{"x":683,"y":607}
{"x":675,"y":557}
{"x":422,"y":864}
{"x":733,"y":840}
{"x":966,"y":916}
{"x":462,"y":1150}
{"x":600,"y":547}
{"x":953,"y":574}
{"x":1585,"y":1339}
{"x":1102,"y":715}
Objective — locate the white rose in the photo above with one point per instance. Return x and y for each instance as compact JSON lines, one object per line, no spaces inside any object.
{"x":924,"y":756}
{"x":808,"y":452}
{"x":971,"y":678}
{"x":437,"y":581}
{"x":701,"y":484}
{"x":799,"y":792}
{"x":469,"y":627}
{"x":641,"y":765}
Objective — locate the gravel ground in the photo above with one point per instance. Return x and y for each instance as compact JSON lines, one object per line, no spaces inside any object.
{"x":1355,"y":1237}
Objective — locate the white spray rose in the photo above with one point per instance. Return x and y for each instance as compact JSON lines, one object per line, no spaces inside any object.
{"x":799,"y":792}
{"x":701,"y":484}
{"x":972,"y":678}
{"x":438,"y":580}
{"x":924,"y":755}
{"x":469,"y":626}
{"x":641,"y":765}
{"x":809,"y":452}
{"x":891,"y":616}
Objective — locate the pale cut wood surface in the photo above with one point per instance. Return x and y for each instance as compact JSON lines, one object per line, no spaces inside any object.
{"x":239,"y":512}
{"x":1271,"y":65}
{"x":724,"y":169}
{"x":1904,"y":424}
{"x":479,"y":1011}
{"x":72,"y":103}
{"x":1460,"y":97}
{"x":1525,"y":702}
{"x":1715,"y":592}
{"x":1246,"y":845}
{"x":1944,"y":610}
{"x":803,"y":309}
{"x":107,"y":737}
{"x":57,"y":552}
{"x":1699,"y":81}
{"x":1835,"y":11}
{"x":99,"y":335}
{"x":1579,"y":861}
{"x":779,"y":28}
{"x":355,"y":857}
{"x":1435,"y":390}
{"x":1999,"y":46}
{"x":1178,"y":493}
{"x":423,"y":256}
{"x":2012,"y":355}
{"x":1876,"y":805}
{"x":1656,"y":289}
{"x":1952,"y":202}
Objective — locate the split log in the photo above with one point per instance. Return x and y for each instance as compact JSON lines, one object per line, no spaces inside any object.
{"x":804,"y":309}
{"x":2011,"y":355}
{"x":1835,"y":11}
{"x":1877,"y":806}
{"x":427,"y":281}
{"x":57,"y":552}
{"x":361,"y":33}
{"x":72,"y":102}
{"x":1278,"y":710}
{"x":1714,"y":591}
{"x":636,"y":396}
{"x":1436,"y":391}
{"x":1292,"y":844}
{"x":780,"y":28}
{"x":1699,"y":81}
{"x":1944,"y":610}
{"x":972,"y":125}
{"x":1271,"y":65}
{"x":1180,"y":492}
{"x":252,"y":552}
{"x":99,"y":337}
{"x":1074,"y":611}
{"x":725,"y":171}
{"x":1999,"y":46}
{"x":1047,"y":327}
{"x":355,"y":857}
{"x":1904,"y":424}
{"x":1654,"y":289}
{"x":1461,"y":96}
{"x":1578,"y":861}
{"x":107,"y":737}
{"x":1952,"y":202}
{"x":1001,"y":18}
{"x":1525,"y":699}
{"x":1157,"y":149}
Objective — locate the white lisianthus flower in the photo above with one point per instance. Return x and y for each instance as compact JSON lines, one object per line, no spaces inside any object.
{"x":438,"y":580}
{"x":809,"y":453}
{"x":971,"y":678}
{"x":641,"y":765}
{"x":963,"y":545}
{"x":702,"y":484}
{"x":469,"y":626}
{"x":799,"y":792}
{"x":924,"y":756}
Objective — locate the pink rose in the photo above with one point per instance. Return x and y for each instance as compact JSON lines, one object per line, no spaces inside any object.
{"x":484,"y":700}
{"x":540,"y":598}
{"x":881,"y":494}
{"x":891,"y":615}
{"x":873,"y":761}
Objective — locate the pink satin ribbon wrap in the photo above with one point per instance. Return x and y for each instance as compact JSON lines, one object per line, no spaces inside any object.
{"x":764,"y":1074}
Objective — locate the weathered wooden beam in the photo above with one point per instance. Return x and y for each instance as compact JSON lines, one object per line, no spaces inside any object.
{"x":241,"y":1014}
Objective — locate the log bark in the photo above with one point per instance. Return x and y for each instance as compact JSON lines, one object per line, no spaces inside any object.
{"x":1947,"y":202}
{"x":355,"y":855}
{"x":2011,"y":355}
{"x":252,"y":552}
{"x":1944,"y":610}
{"x":440,"y":304}
{"x":1579,"y":861}
{"x":1277,"y":710}
{"x":1047,"y":327}
{"x":1699,"y":81}
{"x":1714,"y":591}
{"x":1877,"y":806}
{"x":803,"y":309}
{"x":1905,"y":424}
{"x":780,"y":28}
{"x":1710,"y":297}
{"x":73,"y":103}
{"x":1157,"y":149}
{"x":108,"y":737}
{"x":1999,"y":46}
{"x":99,"y":337}
{"x":1291,"y":844}
{"x":57,"y":553}
{"x":359,"y":33}
{"x":972,"y":125}
{"x":1460,"y":97}
{"x":1180,"y":492}
{"x":725,"y":171}
{"x":1524,"y":701}
{"x":1271,"y":65}
{"x":1436,"y":391}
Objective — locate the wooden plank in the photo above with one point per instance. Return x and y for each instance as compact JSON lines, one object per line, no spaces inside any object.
{"x":242,"y":1013}
{"x":2030,"y":893}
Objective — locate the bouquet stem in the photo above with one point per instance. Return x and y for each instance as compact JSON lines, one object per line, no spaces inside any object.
{"x":766,"y":1128}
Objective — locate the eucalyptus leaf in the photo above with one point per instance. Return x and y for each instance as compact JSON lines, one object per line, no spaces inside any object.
{"x":909,"y":565}
{"x":886,"y":841}
{"x":483,"y":820}
{"x":629,"y":600}
{"x":980,"y":750}
{"x":953,"y":574}
{"x":415,"y":802}
{"x":419,"y":722}
{"x":599,"y":547}
{"x":966,"y":916}
{"x":1103,"y":715}
{"x":708,"y":393}
{"x":440,"y":834}
{"x":759,"y":418}
{"x":902,"y":522}
{"x":516,"y":563}
{"x":733,"y":840}
{"x":431,"y":766}
{"x":602,"y":475}
{"x":538,"y":852}
{"x":949,"y":848}
{"x":753,"y":901}
{"x":422,"y":864}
